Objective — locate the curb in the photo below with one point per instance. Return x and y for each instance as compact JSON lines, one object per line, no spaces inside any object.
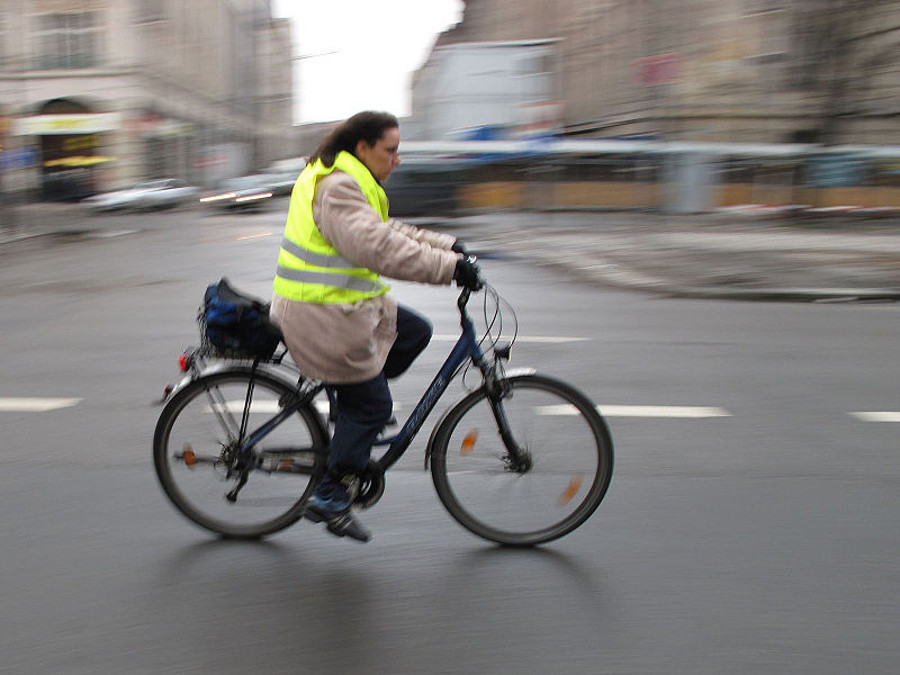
{"x":12,"y":239}
{"x":25,"y":236}
{"x":609,"y":274}
{"x":808,"y":295}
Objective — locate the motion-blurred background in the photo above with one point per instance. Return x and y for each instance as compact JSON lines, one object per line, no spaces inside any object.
{"x":629,"y":104}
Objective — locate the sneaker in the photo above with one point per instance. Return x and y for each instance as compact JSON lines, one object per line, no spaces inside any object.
{"x":338,"y":518}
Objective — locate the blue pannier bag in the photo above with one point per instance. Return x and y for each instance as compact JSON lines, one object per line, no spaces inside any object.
{"x":236,"y":324}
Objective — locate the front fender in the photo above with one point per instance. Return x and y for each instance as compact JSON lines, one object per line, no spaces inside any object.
{"x":438,"y":425}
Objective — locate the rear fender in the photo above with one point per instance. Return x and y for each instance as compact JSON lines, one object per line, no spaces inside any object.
{"x":210,"y":367}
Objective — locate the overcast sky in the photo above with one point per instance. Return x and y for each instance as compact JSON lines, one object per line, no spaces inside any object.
{"x":360,"y":54}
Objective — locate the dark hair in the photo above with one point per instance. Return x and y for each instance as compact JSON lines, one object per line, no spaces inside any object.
{"x":366,"y":126}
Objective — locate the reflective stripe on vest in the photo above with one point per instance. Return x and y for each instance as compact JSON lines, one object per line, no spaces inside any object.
{"x":334,"y":280}
{"x":317,"y":259}
{"x":309,"y":268}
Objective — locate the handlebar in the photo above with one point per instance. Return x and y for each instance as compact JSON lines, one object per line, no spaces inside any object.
{"x":463,"y":300}
{"x":466,"y":291}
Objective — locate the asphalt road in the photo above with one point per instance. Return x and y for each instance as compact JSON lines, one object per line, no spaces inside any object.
{"x":750,"y":527}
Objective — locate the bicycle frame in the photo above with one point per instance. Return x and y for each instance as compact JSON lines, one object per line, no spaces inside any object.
{"x":466,"y":347}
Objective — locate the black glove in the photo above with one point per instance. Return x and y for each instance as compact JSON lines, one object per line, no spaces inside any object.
{"x":468,"y":274}
{"x":460,"y":247}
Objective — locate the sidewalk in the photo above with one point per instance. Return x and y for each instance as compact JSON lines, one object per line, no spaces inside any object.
{"x":28,"y":221}
{"x":708,"y":256}
{"x":700,"y":256}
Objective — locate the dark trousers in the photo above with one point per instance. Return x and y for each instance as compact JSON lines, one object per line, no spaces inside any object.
{"x":363,"y":408}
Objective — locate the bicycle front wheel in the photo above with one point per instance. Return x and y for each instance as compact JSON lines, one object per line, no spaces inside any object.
{"x":557,"y":482}
{"x":197,"y":463}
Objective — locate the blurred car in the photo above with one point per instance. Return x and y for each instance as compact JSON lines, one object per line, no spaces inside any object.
{"x":117,"y":199}
{"x":244,"y":192}
{"x":154,"y":194}
{"x":282,"y":184}
{"x":166,"y":194}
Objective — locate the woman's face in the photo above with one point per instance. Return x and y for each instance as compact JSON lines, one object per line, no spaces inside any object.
{"x":382,"y":158}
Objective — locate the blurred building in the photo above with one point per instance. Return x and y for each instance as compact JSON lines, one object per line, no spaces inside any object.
{"x":819,"y":71}
{"x":481,"y":90}
{"x":95,"y":94}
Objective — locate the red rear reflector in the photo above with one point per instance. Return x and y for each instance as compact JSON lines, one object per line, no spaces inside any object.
{"x":183,"y":363}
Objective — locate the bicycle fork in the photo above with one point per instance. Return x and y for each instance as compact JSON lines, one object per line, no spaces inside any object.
{"x":517,"y":458}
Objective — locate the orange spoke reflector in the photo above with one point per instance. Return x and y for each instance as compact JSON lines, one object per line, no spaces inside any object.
{"x":570,"y":491}
{"x":468,"y":444}
{"x":188,"y":455}
{"x":286,"y":465}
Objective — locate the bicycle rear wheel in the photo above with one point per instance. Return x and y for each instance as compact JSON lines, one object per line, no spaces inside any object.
{"x":570,"y":468}
{"x":194,"y":453}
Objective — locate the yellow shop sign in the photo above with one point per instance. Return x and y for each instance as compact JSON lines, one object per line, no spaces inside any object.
{"x":41,"y":125}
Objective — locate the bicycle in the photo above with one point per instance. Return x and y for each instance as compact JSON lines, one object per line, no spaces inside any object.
{"x":542,"y":475}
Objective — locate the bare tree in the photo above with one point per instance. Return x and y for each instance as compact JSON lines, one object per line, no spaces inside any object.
{"x":841,"y":47}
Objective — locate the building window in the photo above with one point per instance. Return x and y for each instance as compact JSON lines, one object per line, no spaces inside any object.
{"x":756,"y":7}
{"x":148,"y":11}
{"x":5,"y":59}
{"x":534,"y":64}
{"x":66,"y":41}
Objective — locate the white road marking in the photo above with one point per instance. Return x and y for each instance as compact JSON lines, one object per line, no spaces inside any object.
{"x":271,"y":407}
{"x":520,"y":338}
{"x":672,"y":411}
{"x":268,"y":407}
{"x":877,"y":416}
{"x":34,"y":404}
{"x":254,"y":236}
{"x":24,"y":404}
{"x":694,"y":412}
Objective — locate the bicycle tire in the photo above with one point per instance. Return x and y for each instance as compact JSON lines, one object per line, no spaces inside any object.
{"x":190,"y":445}
{"x":572,"y":462}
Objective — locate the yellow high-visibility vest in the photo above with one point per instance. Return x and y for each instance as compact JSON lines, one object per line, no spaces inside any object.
{"x":309,"y":268}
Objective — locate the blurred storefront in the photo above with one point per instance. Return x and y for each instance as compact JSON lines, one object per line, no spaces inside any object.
{"x":105,"y":93}
{"x":69,"y":141}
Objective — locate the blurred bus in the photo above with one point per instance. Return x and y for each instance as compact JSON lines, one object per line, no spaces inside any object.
{"x":453,"y":177}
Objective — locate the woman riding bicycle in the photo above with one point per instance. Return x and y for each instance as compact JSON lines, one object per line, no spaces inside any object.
{"x":339,"y":324}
